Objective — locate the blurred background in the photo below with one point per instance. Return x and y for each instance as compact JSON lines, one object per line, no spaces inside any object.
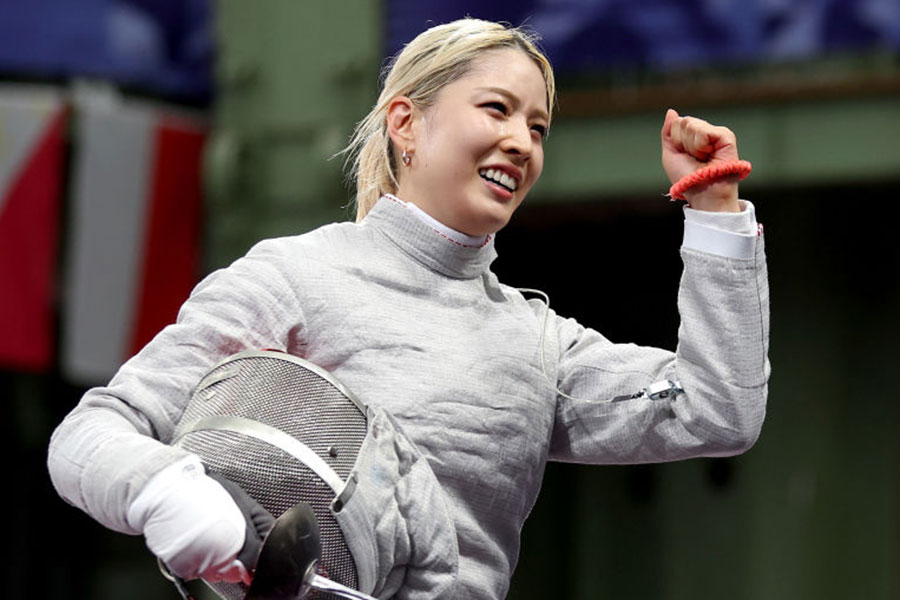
{"x":144,"y":143}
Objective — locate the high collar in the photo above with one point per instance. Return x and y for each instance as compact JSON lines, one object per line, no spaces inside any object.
{"x":426,"y":245}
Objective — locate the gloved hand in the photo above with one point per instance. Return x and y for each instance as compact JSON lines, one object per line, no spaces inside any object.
{"x":192,"y":523}
{"x":259,"y":521}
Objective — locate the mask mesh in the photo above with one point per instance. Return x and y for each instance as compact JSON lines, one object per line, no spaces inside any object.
{"x":299,"y":399}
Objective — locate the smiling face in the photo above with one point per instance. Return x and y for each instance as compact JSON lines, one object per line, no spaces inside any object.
{"x":478,"y":149}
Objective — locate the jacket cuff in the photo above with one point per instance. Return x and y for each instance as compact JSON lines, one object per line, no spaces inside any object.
{"x":731,"y":235}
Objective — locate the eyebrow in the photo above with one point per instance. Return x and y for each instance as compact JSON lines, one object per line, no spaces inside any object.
{"x":512,"y":97}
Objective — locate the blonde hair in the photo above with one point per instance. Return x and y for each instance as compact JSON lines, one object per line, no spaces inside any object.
{"x":435,"y":58}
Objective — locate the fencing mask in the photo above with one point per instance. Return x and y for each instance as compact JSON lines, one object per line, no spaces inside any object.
{"x":286,"y":431}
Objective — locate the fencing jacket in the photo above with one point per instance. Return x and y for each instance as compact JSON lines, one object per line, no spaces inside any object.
{"x":418,"y":325}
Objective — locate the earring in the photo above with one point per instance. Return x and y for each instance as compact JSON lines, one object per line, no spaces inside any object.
{"x":406,"y":158}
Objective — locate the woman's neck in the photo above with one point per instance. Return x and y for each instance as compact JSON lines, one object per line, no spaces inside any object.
{"x":448,"y":232}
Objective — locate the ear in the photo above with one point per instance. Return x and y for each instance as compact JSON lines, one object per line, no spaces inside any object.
{"x":400,"y":120}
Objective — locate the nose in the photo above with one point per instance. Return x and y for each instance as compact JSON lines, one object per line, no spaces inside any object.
{"x":518,"y":139}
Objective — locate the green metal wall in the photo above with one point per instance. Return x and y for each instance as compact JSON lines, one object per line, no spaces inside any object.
{"x":293,"y":78}
{"x":803,"y":143}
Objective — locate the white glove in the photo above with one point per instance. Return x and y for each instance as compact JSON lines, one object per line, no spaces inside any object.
{"x":191,"y":523}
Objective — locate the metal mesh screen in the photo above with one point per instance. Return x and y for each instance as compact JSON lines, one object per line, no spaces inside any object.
{"x":281,"y":392}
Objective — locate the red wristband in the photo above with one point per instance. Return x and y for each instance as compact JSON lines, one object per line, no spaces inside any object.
{"x":741,"y":168}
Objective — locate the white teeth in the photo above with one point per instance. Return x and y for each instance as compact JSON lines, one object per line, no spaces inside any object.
{"x":500,"y":177}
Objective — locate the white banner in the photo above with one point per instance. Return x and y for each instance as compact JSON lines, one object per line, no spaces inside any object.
{"x":135,"y":231}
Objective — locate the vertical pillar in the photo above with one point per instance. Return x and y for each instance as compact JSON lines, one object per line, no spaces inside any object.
{"x":292,"y":80}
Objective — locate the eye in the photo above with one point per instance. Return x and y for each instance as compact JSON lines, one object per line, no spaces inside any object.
{"x":540,"y":129}
{"x":498,"y":106}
